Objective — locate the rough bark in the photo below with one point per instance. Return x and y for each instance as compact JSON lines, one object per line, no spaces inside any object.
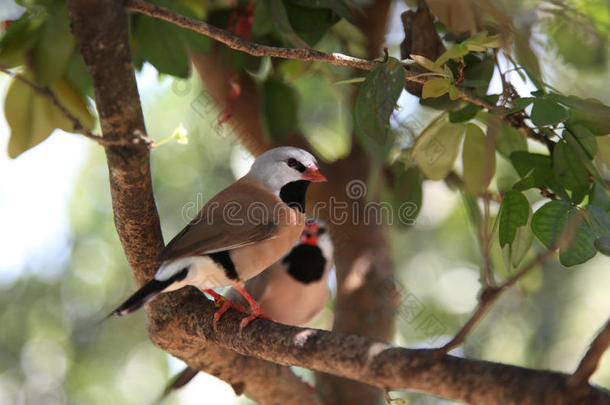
{"x":369,"y":360}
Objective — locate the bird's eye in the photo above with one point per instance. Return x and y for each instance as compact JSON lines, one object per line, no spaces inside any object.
{"x":296,"y":165}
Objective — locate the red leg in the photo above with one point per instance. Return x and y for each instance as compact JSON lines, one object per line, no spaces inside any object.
{"x":218,"y":299}
{"x":224,"y":305}
{"x":257,"y":312}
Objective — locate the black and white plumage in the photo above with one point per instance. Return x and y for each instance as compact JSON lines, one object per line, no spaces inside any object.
{"x":239,"y":232}
{"x":293,"y":290}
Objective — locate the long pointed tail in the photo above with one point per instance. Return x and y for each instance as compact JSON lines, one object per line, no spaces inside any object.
{"x":146,"y":294}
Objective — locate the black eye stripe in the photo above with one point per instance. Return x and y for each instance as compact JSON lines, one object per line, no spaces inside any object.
{"x":292,"y":162}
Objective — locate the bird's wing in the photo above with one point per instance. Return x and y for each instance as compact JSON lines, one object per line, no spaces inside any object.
{"x":241,"y":214}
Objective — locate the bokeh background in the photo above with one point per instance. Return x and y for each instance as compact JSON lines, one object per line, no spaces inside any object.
{"x":62,"y":268}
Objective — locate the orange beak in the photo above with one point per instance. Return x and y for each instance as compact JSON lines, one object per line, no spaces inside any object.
{"x":313,"y":174}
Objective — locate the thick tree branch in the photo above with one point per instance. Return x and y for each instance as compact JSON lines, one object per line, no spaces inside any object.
{"x":590,"y":361}
{"x":101,"y":30}
{"x":369,"y":360}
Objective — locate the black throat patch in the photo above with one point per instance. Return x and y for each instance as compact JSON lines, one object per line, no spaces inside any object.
{"x":306,"y":263}
{"x":224,"y":260}
{"x":293,"y":194}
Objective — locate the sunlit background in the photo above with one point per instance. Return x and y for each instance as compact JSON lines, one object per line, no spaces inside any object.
{"x":62,"y":268}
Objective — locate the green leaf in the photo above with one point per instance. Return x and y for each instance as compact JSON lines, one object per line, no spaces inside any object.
{"x":548,"y":224}
{"x":547,"y":112}
{"x":464,"y":114}
{"x":526,"y":56}
{"x":75,"y":103}
{"x":518,"y":104}
{"x":522,"y":243}
{"x":570,"y":171}
{"x":478,"y":73}
{"x":509,"y":139}
{"x":585,"y":139}
{"x":599,"y":196}
{"x":576,"y":44}
{"x":52,"y":52}
{"x":590,"y":112}
{"x":160,"y":43}
{"x":30,"y":116}
{"x":340,"y":7}
{"x":599,"y":220}
{"x":582,"y":246}
{"x":535,"y":165}
{"x":454,"y":93}
{"x":282,"y":23}
{"x":479,"y":160}
{"x":375,"y":104}
{"x":437,"y":148}
{"x":426,"y":63}
{"x":20,"y":36}
{"x":406,"y":193}
{"x":549,"y":220}
{"x":280,"y":108}
{"x":514,"y":213}
{"x":435,"y":87}
{"x":78,"y":75}
{"x":455,"y":52}
{"x":196,"y":41}
{"x":602,"y":245}
{"x":310,"y":24}
{"x":603,"y":146}
{"x":263,"y":23}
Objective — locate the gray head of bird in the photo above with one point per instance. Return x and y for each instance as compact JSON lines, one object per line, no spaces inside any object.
{"x":285,"y":164}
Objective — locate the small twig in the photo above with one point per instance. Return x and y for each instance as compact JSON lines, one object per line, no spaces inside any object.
{"x":237,"y":43}
{"x":491,"y":293}
{"x":77,"y":126}
{"x":460,"y":79}
{"x":590,"y":361}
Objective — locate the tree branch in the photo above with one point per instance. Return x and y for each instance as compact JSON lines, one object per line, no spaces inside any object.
{"x":100,"y":28}
{"x":239,"y":44}
{"x":590,"y":361}
{"x":367,"y":360}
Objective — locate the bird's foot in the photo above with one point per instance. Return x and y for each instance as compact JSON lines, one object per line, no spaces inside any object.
{"x":254,"y":315}
{"x":226,"y":305}
{"x":257,"y":312}
{"x":223,"y":304}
